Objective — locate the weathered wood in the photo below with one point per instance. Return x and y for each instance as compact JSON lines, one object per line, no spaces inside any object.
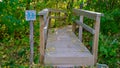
{"x":42,"y":40}
{"x":31,"y":44}
{"x":80,"y":29}
{"x":44,"y":12}
{"x":92,"y":15}
{"x":64,"y":48}
{"x":46,"y":30}
{"x":96,"y":38}
{"x":91,"y":30}
{"x":44,"y":21}
{"x":86,"y":13}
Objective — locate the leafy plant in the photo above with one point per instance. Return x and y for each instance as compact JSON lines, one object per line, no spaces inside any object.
{"x":109,"y":51}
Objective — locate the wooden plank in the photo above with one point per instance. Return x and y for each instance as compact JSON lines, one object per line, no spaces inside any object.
{"x":44,"y":12}
{"x":42,"y":40}
{"x":80,"y":28}
{"x":96,"y":38}
{"x":64,"y":48}
{"x":91,"y":30}
{"x":46,"y":30}
{"x":86,"y":13}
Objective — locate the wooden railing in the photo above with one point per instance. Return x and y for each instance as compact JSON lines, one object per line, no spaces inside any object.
{"x":45,"y":19}
{"x":91,"y":15}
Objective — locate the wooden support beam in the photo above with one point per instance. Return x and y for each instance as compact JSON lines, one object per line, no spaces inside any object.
{"x":80,"y":29}
{"x":42,"y":40}
{"x":46,"y":30}
{"x":45,"y":13}
{"x":96,"y":38}
{"x":91,"y":30}
{"x":45,"y":18}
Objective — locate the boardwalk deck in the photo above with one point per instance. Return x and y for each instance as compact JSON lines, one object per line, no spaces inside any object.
{"x":64,"y":48}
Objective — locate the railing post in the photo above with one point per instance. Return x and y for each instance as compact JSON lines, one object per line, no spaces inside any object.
{"x":80,"y":29}
{"x":96,"y":38}
{"x":42,"y":40}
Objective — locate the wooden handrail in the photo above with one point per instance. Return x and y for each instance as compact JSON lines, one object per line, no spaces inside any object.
{"x":42,"y":40}
{"x":91,"y":15}
{"x":45,"y":17}
{"x":91,"y":30}
{"x":86,"y":13}
{"x":45,"y":13}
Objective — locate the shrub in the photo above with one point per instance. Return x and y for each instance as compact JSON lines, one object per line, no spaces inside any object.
{"x":109,"y":51}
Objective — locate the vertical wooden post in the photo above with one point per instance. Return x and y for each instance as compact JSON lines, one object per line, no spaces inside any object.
{"x":31,"y":44}
{"x":96,"y":38}
{"x":80,"y":29}
{"x":42,"y":40}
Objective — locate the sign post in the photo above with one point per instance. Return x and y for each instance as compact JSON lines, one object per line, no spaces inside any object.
{"x":31,"y":16}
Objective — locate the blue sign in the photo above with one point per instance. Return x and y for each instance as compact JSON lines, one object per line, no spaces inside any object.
{"x":30,"y":15}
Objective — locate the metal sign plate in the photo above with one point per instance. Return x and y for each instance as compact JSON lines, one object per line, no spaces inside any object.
{"x":30,"y":15}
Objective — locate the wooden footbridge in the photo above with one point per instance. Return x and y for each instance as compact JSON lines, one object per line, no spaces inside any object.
{"x":61,"y":47}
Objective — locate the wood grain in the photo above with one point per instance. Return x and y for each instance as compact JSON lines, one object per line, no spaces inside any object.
{"x":64,"y":48}
{"x":91,"y":30}
{"x":80,"y":29}
{"x":86,"y":13}
{"x":42,"y":40}
{"x":96,"y":38}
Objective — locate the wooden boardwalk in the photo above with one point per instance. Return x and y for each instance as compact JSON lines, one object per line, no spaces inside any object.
{"x":64,"y":48}
{"x":60,"y":46}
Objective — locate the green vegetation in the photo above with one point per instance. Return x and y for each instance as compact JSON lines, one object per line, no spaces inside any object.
{"x":14,"y":30}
